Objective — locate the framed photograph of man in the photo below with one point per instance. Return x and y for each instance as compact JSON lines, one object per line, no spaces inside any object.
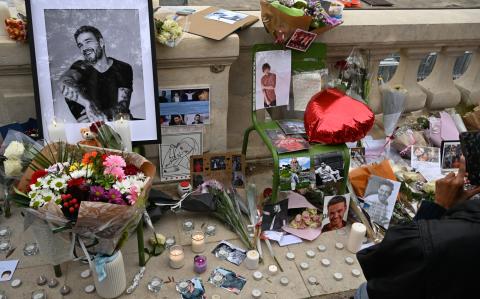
{"x":379,"y":200}
{"x":94,"y":61}
{"x":335,"y":212}
{"x":451,"y":152}
{"x":329,"y":172}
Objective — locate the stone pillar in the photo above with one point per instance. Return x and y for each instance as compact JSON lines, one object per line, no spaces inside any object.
{"x":469,"y":82}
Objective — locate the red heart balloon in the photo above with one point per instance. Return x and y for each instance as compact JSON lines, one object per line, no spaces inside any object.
{"x":332,"y":117}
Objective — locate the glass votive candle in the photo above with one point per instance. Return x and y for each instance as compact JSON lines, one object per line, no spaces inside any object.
{"x":187,"y":225}
{"x":198,"y":241}
{"x":4,"y":245}
{"x":30,"y":249}
{"x":169,"y":242}
{"x":5,"y":232}
{"x":177,"y":257}
{"x":200,"y":264}
{"x":155,"y":285}
{"x":218,"y":279}
{"x":182,"y":287}
{"x":39,"y":294}
{"x":210,"y":230}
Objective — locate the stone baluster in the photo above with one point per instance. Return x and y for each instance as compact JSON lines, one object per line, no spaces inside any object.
{"x":406,"y":75}
{"x":469,"y":82}
{"x":439,"y":86}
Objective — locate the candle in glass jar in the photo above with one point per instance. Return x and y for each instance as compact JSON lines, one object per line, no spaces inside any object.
{"x":200,"y":264}
{"x":56,"y":131}
{"x":177,"y":257}
{"x":355,"y":239}
{"x":122,"y":127}
{"x":4,"y":232}
{"x":198,"y":242}
{"x":251,"y":262}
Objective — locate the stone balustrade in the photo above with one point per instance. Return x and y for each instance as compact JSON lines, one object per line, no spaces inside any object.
{"x":225,"y":66}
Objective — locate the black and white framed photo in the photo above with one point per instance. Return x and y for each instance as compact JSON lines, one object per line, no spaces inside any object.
{"x":94,"y":61}
{"x":451,"y":152}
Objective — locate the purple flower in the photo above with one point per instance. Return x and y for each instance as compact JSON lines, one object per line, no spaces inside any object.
{"x":115,"y":197}
{"x":97,"y":193}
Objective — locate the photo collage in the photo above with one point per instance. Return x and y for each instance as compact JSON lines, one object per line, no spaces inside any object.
{"x":227,"y":168}
{"x":184,"y":107}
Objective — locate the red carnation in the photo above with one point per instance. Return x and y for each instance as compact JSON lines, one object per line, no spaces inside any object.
{"x":131,"y":169}
{"x":36,"y":175}
{"x":95,"y":126}
{"x":75,"y":182}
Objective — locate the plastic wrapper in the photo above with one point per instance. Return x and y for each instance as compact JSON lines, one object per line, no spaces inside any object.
{"x":472,"y":119}
{"x":393,"y":104}
{"x":359,"y":177}
{"x":103,"y":225}
{"x":170,"y":28}
{"x":16,"y":153}
{"x":405,"y":138}
{"x":443,"y":128}
{"x":332,"y":117}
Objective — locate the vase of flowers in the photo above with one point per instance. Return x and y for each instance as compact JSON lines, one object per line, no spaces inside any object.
{"x":109,"y":275}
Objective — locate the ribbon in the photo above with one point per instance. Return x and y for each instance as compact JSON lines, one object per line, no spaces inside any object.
{"x":413,"y":141}
{"x":100,"y":262}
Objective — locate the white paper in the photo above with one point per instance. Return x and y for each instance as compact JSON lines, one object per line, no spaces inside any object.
{"x":7,"y":268}
{"x":305,"y":85}
{"x":273,"y":235}
{"x":431,"y":173}
{"x":289,"y":240}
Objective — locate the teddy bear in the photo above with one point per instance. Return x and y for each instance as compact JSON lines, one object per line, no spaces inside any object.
{"x":89,"y":138}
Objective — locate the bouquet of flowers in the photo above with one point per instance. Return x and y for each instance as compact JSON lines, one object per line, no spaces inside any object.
{"x":169,"y":32}
{"x":282,"y":17}
{"x":98,"y":193}
{"x":16,"y":28}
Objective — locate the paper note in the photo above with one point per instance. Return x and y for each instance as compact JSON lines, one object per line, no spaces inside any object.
{"x":305,"y":85}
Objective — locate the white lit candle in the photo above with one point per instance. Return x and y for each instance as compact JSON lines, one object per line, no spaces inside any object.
{"x":272,"y":270}
{"x":355,"y":239}
{"x":198,"y":242}
{"x":252,"y":260}
{"x":177,"y":257}
{"x":56,"y":131}
{"x":122,"y":127}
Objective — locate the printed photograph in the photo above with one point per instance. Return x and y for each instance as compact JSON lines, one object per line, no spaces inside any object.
{"x":379,"y":200}
{"x":335,"y":212}
{"x":357,"y":157}
{"x":218,"y":163}
{"x":286,"y":144}
{"x":90,"y":67}
{"x":329,"y":172}
{"x":225,"y":250}
{"x":294,"y":173}
{"x":238,"y":179}
{"x":272,"y":77}
{"x":275,"y":216}
{"x":237,"y":163}
{"x":226,"y":16}
{"x":195,"y":289}
{"x":197,"y":165}
{"x":301,"y":40}
{"x":231,"y":281}
{"x":424,"y":156}
{"x":451,"y":153}
{"x":190,"y":106}
{"x":197,"y":179}
{"x":292,"y":127}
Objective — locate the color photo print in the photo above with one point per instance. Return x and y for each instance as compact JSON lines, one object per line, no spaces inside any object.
{"x":227,"y":168}
{"x":295,"y":173}
{"x":329,"y":172}
{"x":184,"y":106}
{"x":451,"y":152}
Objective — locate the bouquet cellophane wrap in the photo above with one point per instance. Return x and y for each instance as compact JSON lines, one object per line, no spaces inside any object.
{"x":405,"y":139}
{"x":359,"y":176}
{"x":277,"y":22}
{"x":332,"y":117}
{"x":104,"y":224}
{"x":472,"y":119}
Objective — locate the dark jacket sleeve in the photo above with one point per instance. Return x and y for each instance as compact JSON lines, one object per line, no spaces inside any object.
{"x":394,"y":267}
{"x":429,"y":210}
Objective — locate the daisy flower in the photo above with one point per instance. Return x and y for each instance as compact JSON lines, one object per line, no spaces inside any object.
{"x":58,"y":184}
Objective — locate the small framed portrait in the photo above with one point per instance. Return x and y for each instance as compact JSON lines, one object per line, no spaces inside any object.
{"x":329,"y":172}
{"x":184,"y":106}
{"x":451,"y":152}
{"x":226,"y":16}
{"x":197,"y":164}
{"x":231,"y":281}
{"x":94,"y":61}
{"x":379,"y":200}
{"x":335,"y":212}
{"x":197,"y":179}
{"x":294,"y":173}
{"x":194,"y":289}
{"x":301,"y":40}
{"x":218,"y":163}
{"x":237,"y":162}
{"x":424,"y":156}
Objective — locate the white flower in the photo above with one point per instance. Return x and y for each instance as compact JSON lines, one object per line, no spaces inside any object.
{"x":78,"y":174}
{"x":58,"y":184}
{"x":14,"y":150}
{"x":429,"y":187}
{"x":166,"y":35}
{"x":58,"y":167}
{"x":13,"y":167}
{"x":169,"y":24}
{"x":162,"y":39}
{"x":47,"y":195}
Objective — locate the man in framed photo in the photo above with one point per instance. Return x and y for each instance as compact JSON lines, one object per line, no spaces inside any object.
{"x":336,"y":209}
{"x":376,"y":204}
{"x":97,"y":87}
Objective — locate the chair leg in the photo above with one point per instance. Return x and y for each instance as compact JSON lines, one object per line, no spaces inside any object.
{"x":276,"y":178}
{"x":245,"y":139}
{"x":141,"y":245}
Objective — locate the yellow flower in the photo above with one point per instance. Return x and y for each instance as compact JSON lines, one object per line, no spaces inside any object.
{"x":75,"y":166}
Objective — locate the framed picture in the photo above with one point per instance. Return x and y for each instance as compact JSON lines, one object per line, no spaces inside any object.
{"x":450,"y":152}
{"x":424,"y":157}
{"x":335,"y":212}
{"x":379,"y":200}
{"x":227,"y":168}
{"x":294,"y":173}
{"x":94,"y":61}
{"x":184,"y":106}
{"x":329,"y":172}
{"x":301,"y":40}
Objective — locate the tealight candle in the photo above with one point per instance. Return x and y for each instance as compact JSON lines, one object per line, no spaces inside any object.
{"x":56,"y":131}
{"x":198,"y":242}
{"x":338,"y":276}
{"x":355,"y":239}
{"x":310,"y":253}
{"x":39,"y":294}
{"x":322,"y":248}
{"x":187,"y":225}
{"x":284,"y":281}
{"x":272,"y":270}
{"x":4,"y":246}
{"x":349,"y":260}
{"x":16,"y":283}
{"x":290,"y":256}
{"x":155,"y":285}
{"x":89,"y":289}
{"x":200,"y":264}
{"x":257,"y":275}
{"x":169,"y":242}
{"x":177,"y":257}
{"x":304,"y":266}
{"x":256,"y":293}
{"x":210,"y":230}
{"x":252,"y":260}
{"x":30,"y":249}
{"x":182,"y":286}
{"x":325,"y":262}
{"x":356,"y":272}
{"x":85,"y":273}
{"x":4,"y":232}
{"x":217,"y":280}
{"x":312,"y":280}
{"x":339,"y":246}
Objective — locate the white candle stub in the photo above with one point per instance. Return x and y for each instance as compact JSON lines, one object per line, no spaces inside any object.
{"x":16,"y":283}
{"x":3,"y":232}
{"x":326,"y":262}
{"x":257,"y":275}
{"x":322,"y":248}
{"x":290,"y":256}
{"x":338,"y":276}
{"x":356,"y":272}
{"x":85,"y":274}
{"x":310,"y":253}
{"x":284,"y":281}
{"x":339,"y":245}
{"x":304,"y":266}
{"x":355,"y":239}
{"x":312,"y":280}
{"x":349,"y":260}
{"x":90,"y":288}
{"x":4,"y":246}
{"x":216,"y":296}
{"x":272,"y":269}
{"x":256,"y":293}
{"x":252,"y":260}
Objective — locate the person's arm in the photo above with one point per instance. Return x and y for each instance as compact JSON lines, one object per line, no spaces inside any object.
{"x":125,"y":90}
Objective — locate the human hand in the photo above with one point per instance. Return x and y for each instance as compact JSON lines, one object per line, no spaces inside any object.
{"x":69,"y":91}
{"x":449,"y":190}
{"x":93,"y":114}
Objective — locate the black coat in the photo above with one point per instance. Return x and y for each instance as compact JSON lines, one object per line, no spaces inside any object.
{"x":435,"y":256}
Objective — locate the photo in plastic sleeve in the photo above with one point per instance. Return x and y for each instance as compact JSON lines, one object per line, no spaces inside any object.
{"x":175,"y":152}
{"x":184,"y":106}
{"x":226,"y":16}
{"x":286,"y":143}
{"x":451,"y":152}
{"x":228,"y":168}
{"x":227,"y":251}
{"x":295,"y":173}
{"x":230,"y":281}
{"x":275,"y":216}
{"x":292,"y":127}
{"x":357,"y":157}
{"x":194,"y":290}
{"x":329,"y":172}
{"x":424,"y":156}
{"x":379,"y":200}
{"x":272,"y":78}
{"x":335,"y":212}
{"x":301,"y":40}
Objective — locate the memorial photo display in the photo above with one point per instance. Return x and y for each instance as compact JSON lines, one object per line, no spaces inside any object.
{"x":227,"y":168}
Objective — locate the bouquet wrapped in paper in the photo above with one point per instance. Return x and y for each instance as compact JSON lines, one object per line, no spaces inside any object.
{"x":472,"y":119}
{"x":281,"y":18}
{"x":98,"y":194}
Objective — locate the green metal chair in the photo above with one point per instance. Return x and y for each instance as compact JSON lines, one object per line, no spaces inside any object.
{"x":313,"y":59}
